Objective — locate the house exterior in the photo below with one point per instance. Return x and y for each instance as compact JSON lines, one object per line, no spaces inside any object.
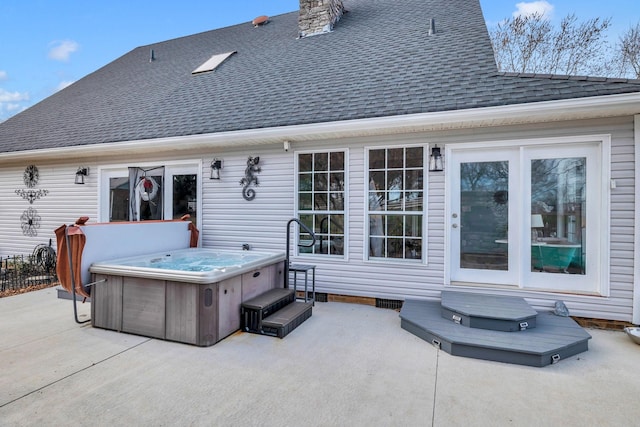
{"x":339,"y":106}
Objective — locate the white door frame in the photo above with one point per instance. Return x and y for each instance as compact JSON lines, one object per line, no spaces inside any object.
{"x":601,"y":207}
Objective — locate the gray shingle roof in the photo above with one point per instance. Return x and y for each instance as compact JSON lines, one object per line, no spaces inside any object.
{"x":379,"y":61}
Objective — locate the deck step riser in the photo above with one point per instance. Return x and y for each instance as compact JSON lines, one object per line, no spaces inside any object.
{"x":495,"y":355}
{"x":492,"y":312}
{"x":426,"y":335}
{"x":283,"y":322}
{"x":253,"y":311}
{"x":554,"y":339}
{"x":275,"y":313}
{"x":490,"y":324}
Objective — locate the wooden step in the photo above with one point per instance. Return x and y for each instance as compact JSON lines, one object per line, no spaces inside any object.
{"x":554,"y":338}
{"x":494,"y":312}
{"x":255,"y":310}
{"x":285,"y":320}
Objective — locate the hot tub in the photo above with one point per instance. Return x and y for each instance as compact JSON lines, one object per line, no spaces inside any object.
{"x":188,"y":295}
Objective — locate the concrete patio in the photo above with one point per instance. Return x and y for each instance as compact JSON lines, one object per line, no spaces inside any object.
{"x":347,"y":365}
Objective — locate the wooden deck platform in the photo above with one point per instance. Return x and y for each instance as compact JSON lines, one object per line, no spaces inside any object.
{"x":554,"y":338}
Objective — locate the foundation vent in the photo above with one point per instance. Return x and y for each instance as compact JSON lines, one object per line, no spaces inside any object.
{"x":389,"y":303}
{"x":320,"y":296}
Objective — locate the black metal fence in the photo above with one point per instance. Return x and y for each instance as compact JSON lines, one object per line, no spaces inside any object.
{"x":22,"y":271}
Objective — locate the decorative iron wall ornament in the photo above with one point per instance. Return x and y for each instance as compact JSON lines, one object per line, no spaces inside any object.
{"x":250,"y":178}
{"x":30,"y":222}
{"x":31,"y":195}
{"x":31,"y":176}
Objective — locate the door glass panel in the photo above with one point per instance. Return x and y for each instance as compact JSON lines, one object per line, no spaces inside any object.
{"x":185,"y":190}
{"x":484,"y":213}
{"x":146,"y":193}
{"x":558,"y":215}
{"x":118,"y":199}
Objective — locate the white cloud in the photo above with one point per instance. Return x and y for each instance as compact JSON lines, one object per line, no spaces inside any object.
{"x":61,"y":50}
{"x":3,"y":75}
{"x":11,"y":103}
{"x":6,"y":96}
{"x":13,"y":107}
{"x":542,"y":7}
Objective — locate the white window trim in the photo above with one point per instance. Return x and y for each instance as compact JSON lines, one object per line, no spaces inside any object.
{"x":604,"y":141}
{"x":425,"y":197}
{"x":296,"y":212}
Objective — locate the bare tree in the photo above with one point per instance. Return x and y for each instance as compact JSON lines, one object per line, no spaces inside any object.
{"x":518,"y":42}
{"x":530,"y":43}
{"x":629,"y":51}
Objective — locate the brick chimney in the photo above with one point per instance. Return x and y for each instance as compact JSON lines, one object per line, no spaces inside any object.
{"x":318,"y":16}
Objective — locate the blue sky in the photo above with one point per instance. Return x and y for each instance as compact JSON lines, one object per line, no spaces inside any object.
{"x":46,"y":45}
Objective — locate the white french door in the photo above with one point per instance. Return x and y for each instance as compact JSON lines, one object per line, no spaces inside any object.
{"x":528,"y":216}
{"x":483,"y":218}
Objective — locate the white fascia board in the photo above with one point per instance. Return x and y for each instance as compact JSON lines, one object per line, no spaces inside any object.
{"x":538,"y":112}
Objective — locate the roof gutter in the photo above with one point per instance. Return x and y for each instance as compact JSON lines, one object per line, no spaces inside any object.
{"x":546,"y":111}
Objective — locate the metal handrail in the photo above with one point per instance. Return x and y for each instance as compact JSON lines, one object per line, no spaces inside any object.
{"x":313,"y":242}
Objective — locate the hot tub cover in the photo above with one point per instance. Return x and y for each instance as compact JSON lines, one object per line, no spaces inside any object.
{"x":77,"y":242}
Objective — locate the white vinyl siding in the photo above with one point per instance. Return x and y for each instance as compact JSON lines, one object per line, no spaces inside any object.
{"x":228,"y":220}
{"x":64,"y":202}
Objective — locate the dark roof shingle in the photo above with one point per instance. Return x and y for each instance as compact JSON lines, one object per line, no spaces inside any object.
{"x":379,"y":61}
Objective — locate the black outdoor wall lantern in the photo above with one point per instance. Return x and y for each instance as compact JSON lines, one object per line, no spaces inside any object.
{"x":216,"y":166}
{"x":435,"y":160}
{"x":81,"y":173}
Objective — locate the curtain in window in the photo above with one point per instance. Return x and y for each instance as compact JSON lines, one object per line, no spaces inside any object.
{"x":145,"y":193}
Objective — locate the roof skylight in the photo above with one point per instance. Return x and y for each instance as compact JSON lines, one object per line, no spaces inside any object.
{"x":212,"y":63}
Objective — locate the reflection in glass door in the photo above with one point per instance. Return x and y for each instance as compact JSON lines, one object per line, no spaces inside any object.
{"x":558,"y":215}
{"x":185,"y":196}
{"x":484,"y":215}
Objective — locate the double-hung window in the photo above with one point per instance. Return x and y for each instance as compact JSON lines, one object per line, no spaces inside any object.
{"x":395,"y":208}
{"x":321,"y":201}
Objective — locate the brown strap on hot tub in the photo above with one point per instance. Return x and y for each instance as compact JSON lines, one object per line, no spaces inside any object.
{"x":77,"y":241}
{"x":195,"y":233}
{"x":193,"y":241}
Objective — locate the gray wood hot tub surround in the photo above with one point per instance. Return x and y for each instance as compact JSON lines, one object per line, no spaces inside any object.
{"x":199,"y":314}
